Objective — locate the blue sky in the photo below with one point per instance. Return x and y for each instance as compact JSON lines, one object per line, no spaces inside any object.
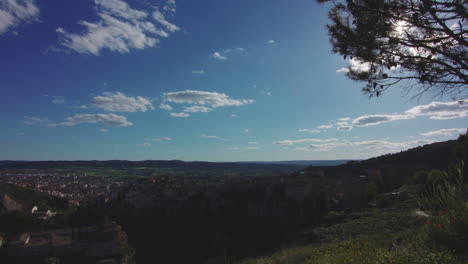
{"x":194,"y":80}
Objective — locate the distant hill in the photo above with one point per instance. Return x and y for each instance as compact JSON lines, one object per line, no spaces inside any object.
{"x":433,"y":156}
{"x":392,"y":168}
{"x":302,"y":162}
{"x":176,"y":165}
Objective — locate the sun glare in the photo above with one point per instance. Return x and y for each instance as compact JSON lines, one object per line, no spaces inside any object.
{"x":400,"y":27}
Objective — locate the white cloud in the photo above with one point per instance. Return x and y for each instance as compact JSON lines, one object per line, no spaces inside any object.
{"x":305,"y":140}
{"x":271,"y":41}
{"x":435,"y":110}
{"x":234,"y":50}
{"x":158,"y":16}
{"x":196,"y":109}
{"x":246,"y":130}
{"x":165,"y":107}
{"x":106,"y":119}
{"x":252,"y":143}
{"x":232,"y":115}
{"x":119,"y":102}
{"x":233,"y":148}
{"x":341,"y":123}
{"x":441,"y":110}
{"x":179,"y":114}
{"x":170,"y":6}
{"x":198,"y":72}
{"x":31,"y":120}
{"x":445,"y":132}
{"x":161,"y":139}
{"x":323,"y":147}
{"x":216,"y":55}
{"x":104,"y":130}
{"x":369,"y":120}
{"x":16,"y":12}
{"x":309,"y":130}
{"x":211,"y":136}
{"x":344,"y":128}
{"x":325,"y":126}
{"x":252,"y":148}
{"x":119,"y":28}
{"x":344,"y":119}
{"x":356,"y":65}
{"x":212,"y":99}
{"x":147,"y":144}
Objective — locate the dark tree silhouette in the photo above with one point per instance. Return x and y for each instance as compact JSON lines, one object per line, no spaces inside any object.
{"x":415,"y":43}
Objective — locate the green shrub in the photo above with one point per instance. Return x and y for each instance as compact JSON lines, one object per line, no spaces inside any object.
{"x":419,"y":177}
{"x":371,"y":190}
{"x":448,"y":230}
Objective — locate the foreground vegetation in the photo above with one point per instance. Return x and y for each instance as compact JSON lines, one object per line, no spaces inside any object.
{"x":396,"y":234}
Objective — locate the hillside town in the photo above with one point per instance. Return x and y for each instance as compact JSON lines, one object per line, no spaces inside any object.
{"x":75,"y":186}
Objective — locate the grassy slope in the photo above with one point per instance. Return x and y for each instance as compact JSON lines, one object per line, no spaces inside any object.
{"x":394,"y":234}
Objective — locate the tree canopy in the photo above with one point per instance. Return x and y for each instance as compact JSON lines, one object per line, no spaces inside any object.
{"x":419,"y":44}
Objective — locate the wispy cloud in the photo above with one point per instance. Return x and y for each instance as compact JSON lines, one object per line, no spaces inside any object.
{"x":31,"y":120}
{"x":119,"y":28}
{"x":344,"y":128}
{"x":309,"y":130}
{"x":237,"y":50}
{"x":216,"y":55}
{"x":368,"y":146}
{"x":158,"y":16}
{"x":445,"y":132}
{"x":170,"y":6}
{"x":304,"y":140}
{"x":106,"y":119}
{"x":161,"y":139}
{"x":119,"y":102}
{"x":198,"y":72}
{"x":222,"y":55}
{"x":104,"y":130}
{"x":369,"y":120}
{"x":165,"y":107}
{"x":325,"y":126}
{"x":252,"y":143}
{"x":182,"y":114}
{"x":197,"y":109}
{"x":211,"y":137}
{"x":435,"y":111}
{"x":16,"y":12}
{"x":212,"y":99}
{"x":441,"y":110}
{"x":265,"y":92}
{"x":271,"y":42}
{"x":58,"y":100}
{"x":252,"y":148}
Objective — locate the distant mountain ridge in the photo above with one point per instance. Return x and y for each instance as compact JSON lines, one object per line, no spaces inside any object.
{"x":303,"y":162}
{"x":173,"y":164}
{"x":436,"y":155}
